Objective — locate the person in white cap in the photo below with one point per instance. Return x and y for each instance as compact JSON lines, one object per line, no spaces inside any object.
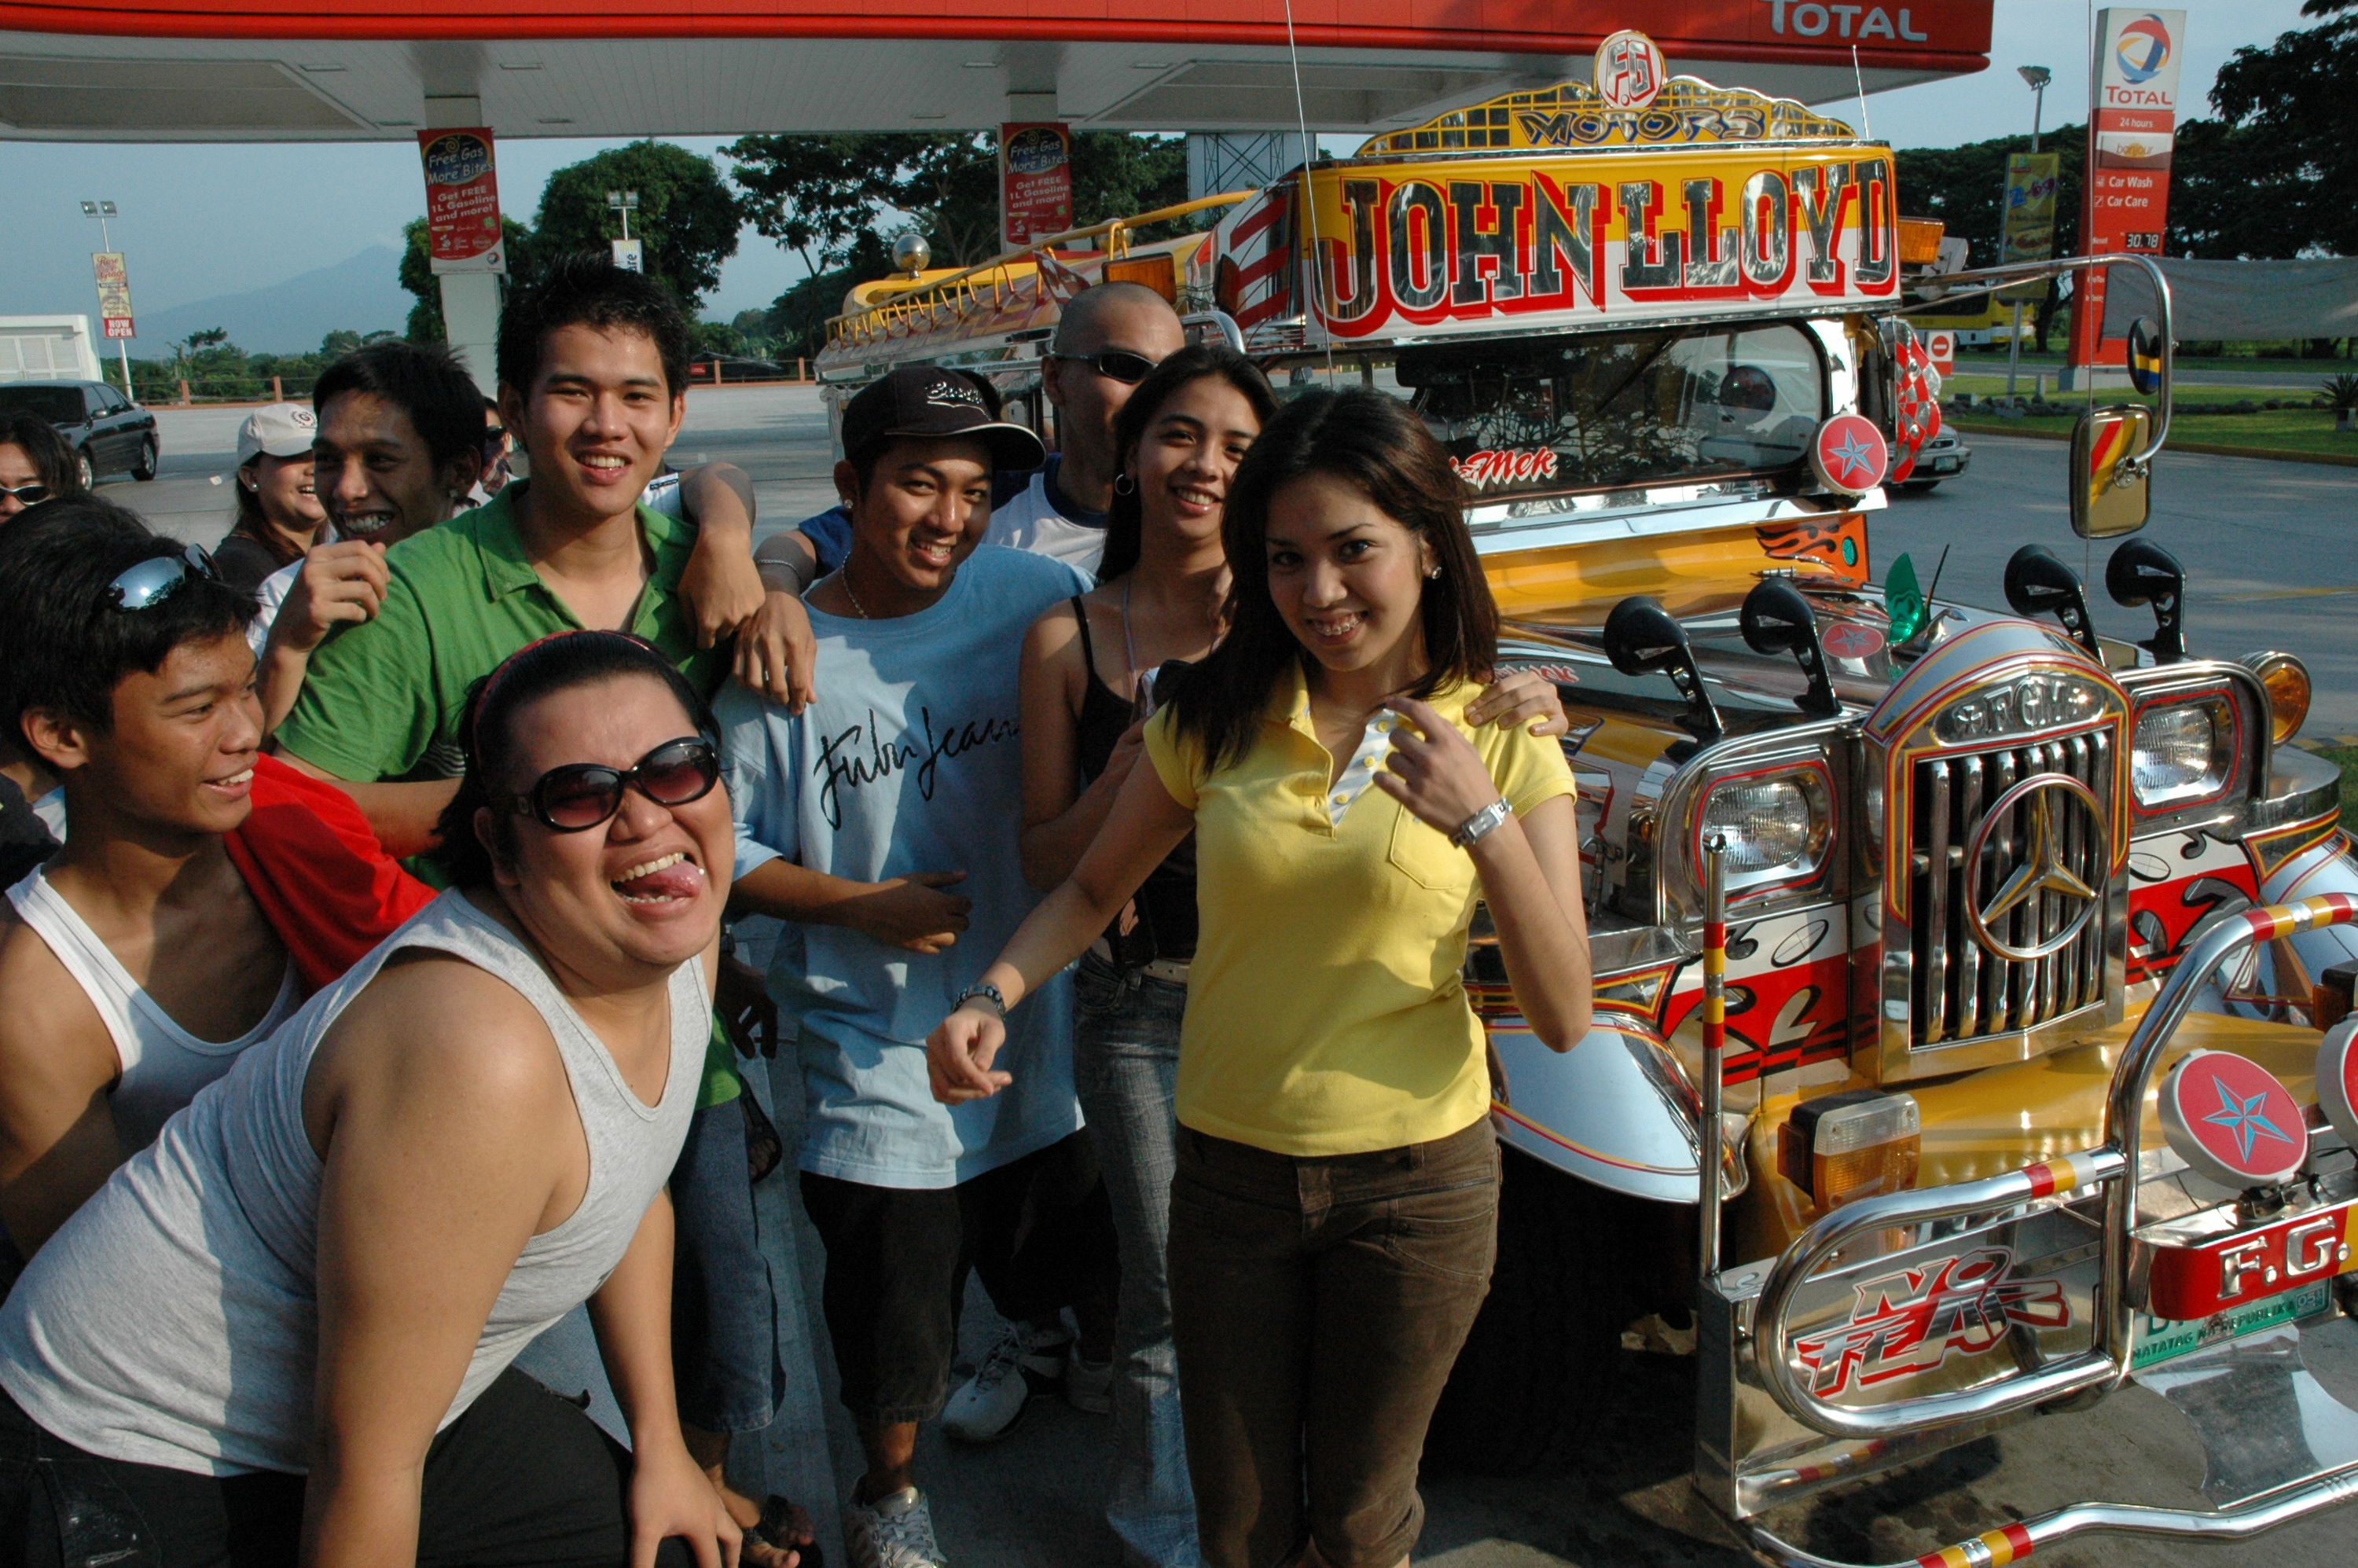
{"x":278,"y":513}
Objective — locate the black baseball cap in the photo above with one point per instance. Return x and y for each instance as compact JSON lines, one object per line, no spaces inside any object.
{"x":926,"y":401}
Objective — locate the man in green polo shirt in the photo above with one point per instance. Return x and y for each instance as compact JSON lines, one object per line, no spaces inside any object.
{"x":592,"y":368}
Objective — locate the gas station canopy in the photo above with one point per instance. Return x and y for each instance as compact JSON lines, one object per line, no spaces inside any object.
{"x":202,"y":70}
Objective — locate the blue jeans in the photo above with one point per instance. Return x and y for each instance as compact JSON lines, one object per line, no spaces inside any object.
{"x":1126,"y":1067}
{"x":724,"y":1304}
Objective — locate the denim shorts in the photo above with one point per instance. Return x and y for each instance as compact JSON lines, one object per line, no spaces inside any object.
{"x":1319,"y":1304}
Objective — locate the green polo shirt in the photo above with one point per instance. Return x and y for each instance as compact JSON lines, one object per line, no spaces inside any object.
{"x":383,"y":698}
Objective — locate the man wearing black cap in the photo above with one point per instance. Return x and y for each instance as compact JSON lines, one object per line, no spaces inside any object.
{"x":883,"y":824}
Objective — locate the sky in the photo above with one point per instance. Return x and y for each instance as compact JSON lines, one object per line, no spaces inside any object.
{"x":200,"y":220}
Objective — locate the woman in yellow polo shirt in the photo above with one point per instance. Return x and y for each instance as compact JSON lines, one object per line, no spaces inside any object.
{"x":1334,"y":1217}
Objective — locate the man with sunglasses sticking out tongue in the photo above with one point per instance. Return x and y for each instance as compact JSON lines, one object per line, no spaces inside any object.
{"x":883,"y":824}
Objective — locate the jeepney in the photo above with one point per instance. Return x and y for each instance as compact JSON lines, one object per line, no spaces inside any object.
{"x":1963,"y":978}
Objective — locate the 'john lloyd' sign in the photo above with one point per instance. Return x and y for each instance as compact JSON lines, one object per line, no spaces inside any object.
{"x":1455,"y":245}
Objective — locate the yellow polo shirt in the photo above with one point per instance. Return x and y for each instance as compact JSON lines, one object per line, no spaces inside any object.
{"x":1324,"y":1014}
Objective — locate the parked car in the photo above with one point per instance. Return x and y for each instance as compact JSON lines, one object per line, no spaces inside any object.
{"x":108,"y":432}
{"x":1944,"y":456}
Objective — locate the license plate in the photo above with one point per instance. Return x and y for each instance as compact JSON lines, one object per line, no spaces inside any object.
{"x":2189,"y":1280}
{"x":2157,"y":1340}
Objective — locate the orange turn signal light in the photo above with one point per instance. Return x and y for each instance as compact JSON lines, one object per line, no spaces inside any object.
{"x":1843,"y":1147}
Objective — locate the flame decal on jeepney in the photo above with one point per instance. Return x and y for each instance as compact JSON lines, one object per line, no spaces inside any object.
{"x":1834,"y":540}
{"x":1908,"y":1324}
{"x":1483,"y":469}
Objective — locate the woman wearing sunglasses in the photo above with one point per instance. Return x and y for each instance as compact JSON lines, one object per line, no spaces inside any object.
{"x":297,"y":1311}
{"x":36,"y":464}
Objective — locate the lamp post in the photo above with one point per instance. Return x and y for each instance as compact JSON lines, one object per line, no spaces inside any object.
{"x":102,"y":211}
{"x":2035,"y":77}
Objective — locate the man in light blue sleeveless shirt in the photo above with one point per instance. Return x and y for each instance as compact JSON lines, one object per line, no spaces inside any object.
{"x":883,"y":824}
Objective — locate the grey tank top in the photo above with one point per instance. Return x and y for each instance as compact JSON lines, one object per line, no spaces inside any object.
{"x":174,"y":1320}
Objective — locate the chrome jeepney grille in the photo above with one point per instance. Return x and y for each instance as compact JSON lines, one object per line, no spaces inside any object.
{"x":1961,"y":990}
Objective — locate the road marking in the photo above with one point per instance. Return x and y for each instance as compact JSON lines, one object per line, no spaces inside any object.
{"x":2277,"y":593}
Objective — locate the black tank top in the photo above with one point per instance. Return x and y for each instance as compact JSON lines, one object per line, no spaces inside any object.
{"x":1166,"y":901}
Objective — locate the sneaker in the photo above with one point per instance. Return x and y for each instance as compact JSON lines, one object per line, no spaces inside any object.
{"x":987,"y":1406}
{"x":1088,"y":1385}
{"x":894,"y":1531}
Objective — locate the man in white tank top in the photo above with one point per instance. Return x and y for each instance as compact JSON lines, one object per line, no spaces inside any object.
{"x":137,"y":964}
{"x":289,"y":1325}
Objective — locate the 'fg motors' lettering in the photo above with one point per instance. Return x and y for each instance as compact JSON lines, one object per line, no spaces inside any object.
{"x":1483,"y":469}
{"x":1910,"y":1323}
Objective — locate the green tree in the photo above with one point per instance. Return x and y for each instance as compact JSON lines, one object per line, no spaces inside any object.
{"x":688,"y":216}
{"x":798,"y":321}
{"x":815,"y":194}
{"x":2272,"y":175}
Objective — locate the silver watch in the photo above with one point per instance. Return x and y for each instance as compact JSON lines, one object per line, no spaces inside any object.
{"x":1481,"y":825}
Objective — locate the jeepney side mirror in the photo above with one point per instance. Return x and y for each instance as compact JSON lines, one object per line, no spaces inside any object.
{"x":2112,"y":493}
{"x":2039,"y":584}
{"x":2142,"y":572}
{"x":1643,"y":638}
{"x":1777,"y":619}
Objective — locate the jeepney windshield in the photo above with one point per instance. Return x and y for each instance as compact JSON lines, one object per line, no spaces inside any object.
{"x":1541,"y":414}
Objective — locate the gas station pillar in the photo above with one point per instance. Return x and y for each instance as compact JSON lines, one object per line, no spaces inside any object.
{"x":471,"y":300}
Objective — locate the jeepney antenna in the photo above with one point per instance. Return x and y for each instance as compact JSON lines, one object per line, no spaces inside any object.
{"x":1309,"y":197}
{"x":1931,"y":604}
{"x":1859,"y":78}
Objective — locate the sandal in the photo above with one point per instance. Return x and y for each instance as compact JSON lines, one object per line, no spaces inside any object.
{"x":777,"y":1528}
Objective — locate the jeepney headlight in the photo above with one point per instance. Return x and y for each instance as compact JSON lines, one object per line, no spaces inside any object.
{"x":2183,"y":752}
{"x":1842,"y":1147}
{"x":1776,"y":825}
{"x":2286,"y":679}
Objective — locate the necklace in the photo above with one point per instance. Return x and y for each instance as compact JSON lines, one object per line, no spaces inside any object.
{"x":843,"y":576}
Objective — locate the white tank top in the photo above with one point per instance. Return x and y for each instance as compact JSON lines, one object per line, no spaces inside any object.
{"x":174,"y":1320}
{"x":163,"y":1066}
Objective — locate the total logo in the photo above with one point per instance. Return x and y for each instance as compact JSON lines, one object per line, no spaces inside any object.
{"x":2142,"y":50}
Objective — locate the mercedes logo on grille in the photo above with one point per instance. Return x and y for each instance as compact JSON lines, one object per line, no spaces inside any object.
{"x":2053,"y":805}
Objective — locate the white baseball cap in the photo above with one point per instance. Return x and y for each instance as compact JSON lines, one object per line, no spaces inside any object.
{"x":282,"y":429}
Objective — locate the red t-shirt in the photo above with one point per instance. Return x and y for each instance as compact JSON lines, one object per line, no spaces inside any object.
{"x":313,"y":865}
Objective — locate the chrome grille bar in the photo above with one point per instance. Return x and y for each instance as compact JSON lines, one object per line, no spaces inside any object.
{"x":1961,"y":992}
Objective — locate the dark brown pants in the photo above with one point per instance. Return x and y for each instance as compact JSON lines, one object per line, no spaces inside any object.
{"x":1318,"y":1306}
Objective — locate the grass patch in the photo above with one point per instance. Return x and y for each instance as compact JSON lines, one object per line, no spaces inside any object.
{"x":2346,"y":759}
{"x":2304,"y":430}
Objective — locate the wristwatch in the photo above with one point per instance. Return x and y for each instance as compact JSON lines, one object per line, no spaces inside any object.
{"x":1481,"y":825}
{"x":986,"y":991}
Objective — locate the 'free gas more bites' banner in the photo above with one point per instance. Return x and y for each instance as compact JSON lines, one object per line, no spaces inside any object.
{"x":462,"y":202}
{"x":1035,"y":182}
{"x":2134,"y":88}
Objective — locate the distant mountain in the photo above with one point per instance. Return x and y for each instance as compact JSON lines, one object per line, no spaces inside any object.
{"x":360,"y":295}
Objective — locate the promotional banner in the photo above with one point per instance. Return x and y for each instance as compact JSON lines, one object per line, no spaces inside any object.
{"x":2133,"y":88}
{"x":2030,"y":219}
{"x":1035,"y":183}
{"x":630,"y":256}
{"x":114,"y":292}
{"x":462,"y":202}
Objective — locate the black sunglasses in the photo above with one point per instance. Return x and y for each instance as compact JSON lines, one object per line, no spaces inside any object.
{"x":582,"y":795}
{"x":27,"y":494}
{"x":1114,"y":364}
{"x":154,"y":581}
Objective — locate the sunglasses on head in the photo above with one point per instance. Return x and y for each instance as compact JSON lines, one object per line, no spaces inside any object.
{"x":156,"y":580}
{"x":1114,"y":364}
{"x":27,"y":494}
{"x":582,"y":795}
